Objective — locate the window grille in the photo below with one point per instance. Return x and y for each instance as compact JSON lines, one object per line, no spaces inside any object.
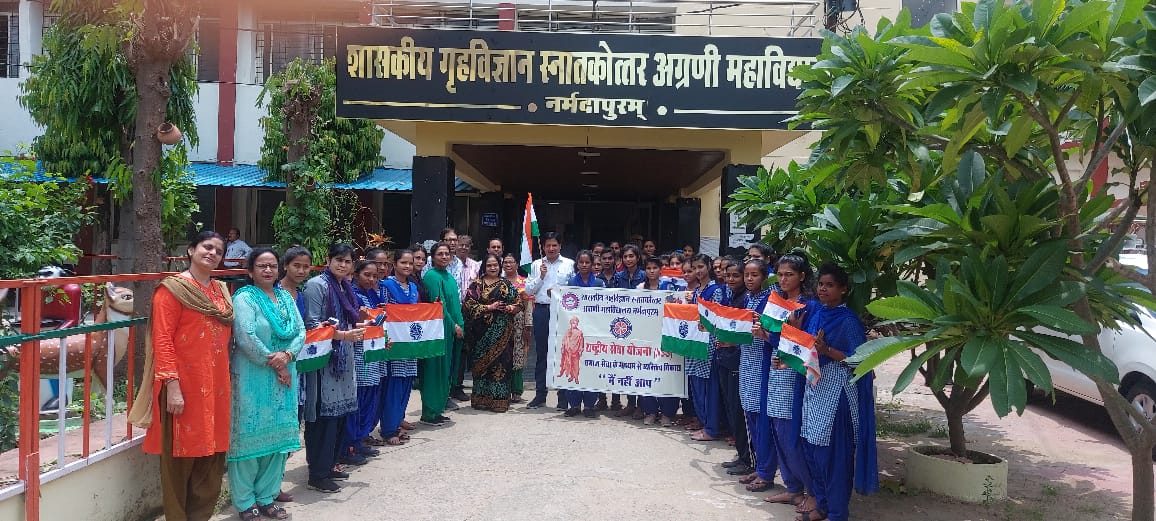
{"x":9,"y":41}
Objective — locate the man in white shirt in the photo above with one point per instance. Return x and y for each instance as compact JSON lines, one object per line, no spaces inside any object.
{"x":236,"y":249}
{"x":545,"y":276}
{"x":470,"y":267}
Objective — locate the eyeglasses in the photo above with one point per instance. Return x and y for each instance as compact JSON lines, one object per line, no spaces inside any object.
{"x":265,"y":267}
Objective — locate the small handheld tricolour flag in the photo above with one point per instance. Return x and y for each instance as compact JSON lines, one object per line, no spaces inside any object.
{"x":729,"y":325}
{"x":529,"y":229}
{"x":318,"y":345}
{"x":777,"y":311}
{"x":673,"y":276}
{"x":797,"y":350}
{"x":681,"y":334}
{"x":374,"y":342}
{"x":414,"y":331}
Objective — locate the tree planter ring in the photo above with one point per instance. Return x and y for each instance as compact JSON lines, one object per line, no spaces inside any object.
{"x":983,"y":480}
{"x":168,"y":133}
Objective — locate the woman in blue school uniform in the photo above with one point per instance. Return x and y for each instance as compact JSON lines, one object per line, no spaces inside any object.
{"x":652,"y":406}
{"x":839,"y":415}
{"x":629,"y":277}
{"x":584,"y":278}
{"x":402,"y":287}
{"x":785,"y":387}
{"x":754,"y":372}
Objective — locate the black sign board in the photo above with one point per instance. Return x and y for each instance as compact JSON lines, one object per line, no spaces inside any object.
{"x":620,"y":80}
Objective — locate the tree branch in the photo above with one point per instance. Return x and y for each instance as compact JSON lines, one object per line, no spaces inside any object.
{"x":1101,"y":154}
{"x":1130,"y":273}
{"x":1113,"y":243}
{"x":979,"y":397}
{"x":1068,"y":106}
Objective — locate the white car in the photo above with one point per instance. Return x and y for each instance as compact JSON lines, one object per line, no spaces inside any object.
{"x":1133,"y":352}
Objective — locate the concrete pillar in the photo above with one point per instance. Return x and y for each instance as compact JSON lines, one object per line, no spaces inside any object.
{"x":31,"y":18}
{"x":432,"y":203}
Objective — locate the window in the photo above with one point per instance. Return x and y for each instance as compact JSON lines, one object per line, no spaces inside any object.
{"x":267,"y":203}
{"x":208,"y":54}
{"x":9,"y":41}
{"x":279,"y":43}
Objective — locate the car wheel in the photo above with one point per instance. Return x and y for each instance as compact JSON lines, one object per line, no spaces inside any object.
{"x":1142,"y":396}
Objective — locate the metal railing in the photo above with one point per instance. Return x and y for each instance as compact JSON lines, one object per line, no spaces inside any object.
{"x":743,"y":17}
{"x":36,"y":462}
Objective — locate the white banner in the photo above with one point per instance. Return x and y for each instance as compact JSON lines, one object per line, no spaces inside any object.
{"x":607,"y":340}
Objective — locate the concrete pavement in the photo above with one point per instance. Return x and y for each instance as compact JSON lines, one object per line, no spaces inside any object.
{"x":535,"y":465}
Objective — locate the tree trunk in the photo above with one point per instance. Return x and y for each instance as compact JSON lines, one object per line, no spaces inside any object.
{"x":1142,"y":500}
{"x":297,"y":134}
{"x":955,"y":432}
{"x":102,"y":234}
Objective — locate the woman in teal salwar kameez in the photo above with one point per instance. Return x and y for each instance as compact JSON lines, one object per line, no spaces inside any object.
{"x":268,"y":333}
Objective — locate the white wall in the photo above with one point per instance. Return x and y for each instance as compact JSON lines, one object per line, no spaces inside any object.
{"x":205,"y":111}
{"x":16,"y":125}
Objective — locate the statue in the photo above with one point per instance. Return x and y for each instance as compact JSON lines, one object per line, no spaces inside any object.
{"x":118,"y":305}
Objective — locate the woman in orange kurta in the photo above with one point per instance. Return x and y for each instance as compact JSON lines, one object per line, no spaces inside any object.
{"x":191,"y":326}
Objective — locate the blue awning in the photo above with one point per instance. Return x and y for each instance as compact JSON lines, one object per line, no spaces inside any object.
{"x":250,"y":176}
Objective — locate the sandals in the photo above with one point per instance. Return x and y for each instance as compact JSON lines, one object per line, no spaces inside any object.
{"x":701,"y":436}
{"x":806,"y":505}
{"x":787,"y":498}
{"x":810,"y":516}
{"x":408,"y":426}
{"x":694,"y":425}
{"x":749,"y":478}
{"x":373,"y":441}
{"x":272,"y":511}
{"x":395,"y":440}
{"x":249,"y":514}
{"x":760,"y":485}
{"x":402,"y":434}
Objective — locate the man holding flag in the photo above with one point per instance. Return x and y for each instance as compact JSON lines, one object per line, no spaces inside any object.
{"x":546,"y":275}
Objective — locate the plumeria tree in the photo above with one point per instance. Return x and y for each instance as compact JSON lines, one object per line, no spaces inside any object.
{"x":1007,"y":249}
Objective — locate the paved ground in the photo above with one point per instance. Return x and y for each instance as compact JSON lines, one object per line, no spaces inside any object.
{"x":536,"y":465}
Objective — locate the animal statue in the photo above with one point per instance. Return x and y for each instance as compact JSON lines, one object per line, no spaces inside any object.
{"x":118,"y":305}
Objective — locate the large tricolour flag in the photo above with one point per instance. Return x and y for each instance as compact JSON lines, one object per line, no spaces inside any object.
{"x":414,"y":331}
{"x":797,"y":350}
{"x":777,"y":311}
{"x":315,"y":354}
{"x":529,"y":230}
{"x":374,"y":341}
{"x":673,"y":276}
{"x":729,"y":325}
{"x":681,"y":333}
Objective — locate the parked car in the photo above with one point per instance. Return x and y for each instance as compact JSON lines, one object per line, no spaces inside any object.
{"x":1134,"y":353}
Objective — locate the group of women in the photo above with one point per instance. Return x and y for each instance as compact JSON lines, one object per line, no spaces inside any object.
{"x":222,"y":390}
{"x":819,"y":437}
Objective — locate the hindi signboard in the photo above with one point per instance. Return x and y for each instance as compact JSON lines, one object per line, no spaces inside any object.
{"x":608,"y":340}
{"x":594,"y":79}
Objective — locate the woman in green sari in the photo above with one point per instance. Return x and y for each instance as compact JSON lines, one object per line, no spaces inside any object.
{"x":491,"y":304}
{"x":268,"y":333}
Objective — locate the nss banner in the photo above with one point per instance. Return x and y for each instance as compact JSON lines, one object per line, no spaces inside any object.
{"x":608,"y":340}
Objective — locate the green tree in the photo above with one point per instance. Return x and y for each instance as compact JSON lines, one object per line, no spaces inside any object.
{"x":83,"y":91}
{"x":977,"y":113}
{"x":309,"y":148}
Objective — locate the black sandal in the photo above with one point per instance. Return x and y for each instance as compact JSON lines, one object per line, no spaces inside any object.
{"x":250,"y":514}
{"x":272,"y":511}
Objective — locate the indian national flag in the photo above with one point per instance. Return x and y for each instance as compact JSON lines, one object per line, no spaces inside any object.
{"x":315,"y":354}
{"x":729,"y":325}
{"x":414,"y":331}
{"x":374,"y":342}
{"x":673,"y":275}
{"x":529,"y":229}
{"x":777,"y":311}
{"x":681,"y":333}
{"x":797,"y":350}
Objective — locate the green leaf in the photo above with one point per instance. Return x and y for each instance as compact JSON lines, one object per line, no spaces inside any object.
{"x":1033,"y":366}
{"x":1080,"y":357}
{"x":1018,"y":135}
{"x":979,"y":354}
{"x":1040,"y":270}
{"x":894,"y":308}
{"x":1057,"y":318}
{"x":908,"y":374}
{"x":874,"y":352}
{"x":1148,"y":90}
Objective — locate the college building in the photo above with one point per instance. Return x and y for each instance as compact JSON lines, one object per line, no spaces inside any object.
{"x":622,"y":118}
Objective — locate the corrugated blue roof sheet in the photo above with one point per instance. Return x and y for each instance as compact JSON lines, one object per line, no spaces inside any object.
{"x":250,"y":176}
